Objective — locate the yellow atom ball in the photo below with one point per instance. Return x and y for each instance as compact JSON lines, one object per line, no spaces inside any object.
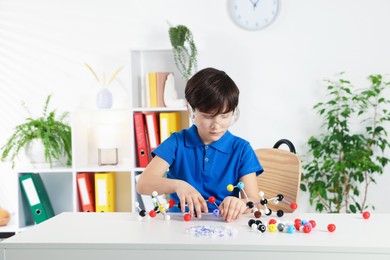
{"x":272,"y":228}
{"x":230,"y":187}
{"x":161,"y":208}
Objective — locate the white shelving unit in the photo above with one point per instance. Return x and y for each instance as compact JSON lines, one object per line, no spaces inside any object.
{"x":61,"y":182}
{"x":143,"y":61}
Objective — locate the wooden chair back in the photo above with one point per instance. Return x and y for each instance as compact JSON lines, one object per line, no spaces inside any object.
{"x":282,"y":175}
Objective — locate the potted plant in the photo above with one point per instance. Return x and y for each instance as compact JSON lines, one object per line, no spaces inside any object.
{"x":184,"y":50}
{"x":345,"y":159}
{"x":49,"y":130}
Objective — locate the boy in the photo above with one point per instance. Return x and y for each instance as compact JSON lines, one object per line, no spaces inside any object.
{"x":205,"y":158}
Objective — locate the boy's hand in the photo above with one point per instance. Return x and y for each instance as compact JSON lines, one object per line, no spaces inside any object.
{"x":189,"y":196}
{"x":232,"y":208}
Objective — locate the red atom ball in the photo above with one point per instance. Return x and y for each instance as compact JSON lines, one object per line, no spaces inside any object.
{"x":297,"y":225}
{"x":152,"y":213}
{"x":293,"y":206}
{"x":297,"y":220}
{"x":366,"y":215}
{"x":212,"y":199}
{"x":187,"y":217}
{"x":272,"y":221}
{"x":171,"y":203}
{"x":313,"y":223}
{"x":306,"y":229}
{"x":331,"y":227}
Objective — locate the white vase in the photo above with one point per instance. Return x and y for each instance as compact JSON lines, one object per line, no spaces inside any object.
{"x":104,"y":98}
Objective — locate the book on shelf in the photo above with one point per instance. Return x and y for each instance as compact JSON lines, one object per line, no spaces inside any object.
{"x":37,"y":197}
{"x":141,"y":140}
{"x":152,"y":76}
{"x":145,"y":92}
{"x":169,"y":123}
{"x":105,"y":192}
{"x":153,"y":131}
{"x":154,"y":89}
{"x":86,"y":191}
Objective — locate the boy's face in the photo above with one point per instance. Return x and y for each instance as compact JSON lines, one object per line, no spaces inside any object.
{"x":212,"y":127}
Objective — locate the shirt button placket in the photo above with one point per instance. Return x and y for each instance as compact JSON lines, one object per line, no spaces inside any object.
{"x":206,"y":159}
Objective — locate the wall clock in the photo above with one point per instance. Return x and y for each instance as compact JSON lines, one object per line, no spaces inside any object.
{"x":253,"y":15}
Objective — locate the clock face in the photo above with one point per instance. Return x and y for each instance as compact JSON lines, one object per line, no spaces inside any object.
{"x":253,"y":14}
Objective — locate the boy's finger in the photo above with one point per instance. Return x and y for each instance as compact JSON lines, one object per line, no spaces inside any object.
{"x":204,"y":206}
{"x":198,"y":210}
{"x":190,"y":205}
{"x":182,"y":205}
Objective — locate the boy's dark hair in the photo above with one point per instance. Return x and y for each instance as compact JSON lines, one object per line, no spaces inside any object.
{"x":212,"y":91}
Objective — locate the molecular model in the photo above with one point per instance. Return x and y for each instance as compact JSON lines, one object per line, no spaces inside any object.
{"x":159,"y":207}
{"x":163,"y":206}
{"x":297,"y":225}
{"x":266,"y":211}
{"x":283,"y":226}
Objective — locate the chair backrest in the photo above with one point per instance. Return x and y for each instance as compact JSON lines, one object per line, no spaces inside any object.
{"x":282,"y":175}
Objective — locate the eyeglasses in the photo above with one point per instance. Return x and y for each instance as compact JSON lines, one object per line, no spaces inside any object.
{"x":209,"y":120}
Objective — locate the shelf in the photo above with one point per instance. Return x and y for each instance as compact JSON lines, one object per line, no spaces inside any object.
{"x":159,"y":109}
{"x":107,"y":168}
{"x":94,"y":129}
{"x":44,"y":170}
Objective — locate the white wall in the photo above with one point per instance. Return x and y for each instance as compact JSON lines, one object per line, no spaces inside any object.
{"x":44,"y":43}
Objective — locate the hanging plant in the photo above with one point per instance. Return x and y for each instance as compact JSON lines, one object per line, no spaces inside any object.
{"x":347,"y":157}
{"x":184,"y":50}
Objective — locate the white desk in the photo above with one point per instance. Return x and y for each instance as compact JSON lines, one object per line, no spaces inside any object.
{"x":119,"y":236}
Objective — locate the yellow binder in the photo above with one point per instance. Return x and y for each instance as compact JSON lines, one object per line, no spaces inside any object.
{"x":169,"y":123}
{"x":105,"y":192}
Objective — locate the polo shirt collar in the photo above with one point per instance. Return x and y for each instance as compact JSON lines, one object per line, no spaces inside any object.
{"x":224,"y":144}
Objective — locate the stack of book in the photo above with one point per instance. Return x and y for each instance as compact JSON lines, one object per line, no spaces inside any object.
{"x":154,"y":89}
{"x":96,"y":191}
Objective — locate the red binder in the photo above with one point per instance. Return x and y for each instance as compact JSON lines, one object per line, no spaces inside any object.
{"x":86,"y":190}
{"x":152,"y":126}
{"x":140,"y":140}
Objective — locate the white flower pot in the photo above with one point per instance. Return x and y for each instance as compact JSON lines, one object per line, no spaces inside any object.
{"x":35,"y":153}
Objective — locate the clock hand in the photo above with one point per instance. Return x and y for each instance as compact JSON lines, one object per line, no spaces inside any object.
{"x":254,"y":3}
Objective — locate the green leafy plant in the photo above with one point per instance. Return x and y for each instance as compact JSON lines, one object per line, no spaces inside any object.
{"x":54,"y":132}
{"x":350,"y":153}
{"x":184,"y":50}
{"x":103,"y":79}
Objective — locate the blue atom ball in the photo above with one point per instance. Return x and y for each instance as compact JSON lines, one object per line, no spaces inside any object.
{"x":290,"y":229}
{"x":240,"y":185}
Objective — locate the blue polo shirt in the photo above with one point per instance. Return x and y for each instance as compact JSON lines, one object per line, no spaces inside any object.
{"x":208,"y":168}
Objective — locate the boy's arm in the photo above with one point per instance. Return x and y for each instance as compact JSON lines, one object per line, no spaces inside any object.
{"x":250,"y":187}
{"x":152,"y":179}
